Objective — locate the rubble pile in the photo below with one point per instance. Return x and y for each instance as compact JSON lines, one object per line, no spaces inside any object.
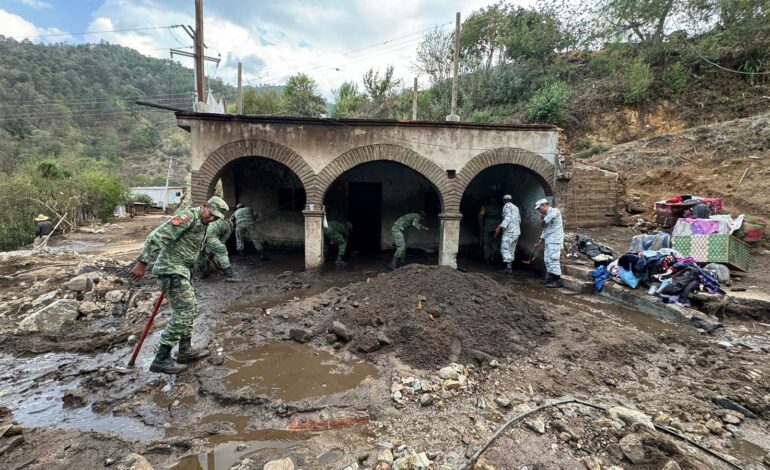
{"x":432,"y":316}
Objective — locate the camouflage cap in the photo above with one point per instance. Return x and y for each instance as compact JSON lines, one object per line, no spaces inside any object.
{"x":218,"y":206}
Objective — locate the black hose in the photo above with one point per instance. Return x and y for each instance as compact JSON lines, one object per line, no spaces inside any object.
{"x":564,"y":401}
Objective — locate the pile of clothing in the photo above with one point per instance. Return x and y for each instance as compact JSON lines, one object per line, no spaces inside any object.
{"x":601,"y":255}
{"x":678,"y":276}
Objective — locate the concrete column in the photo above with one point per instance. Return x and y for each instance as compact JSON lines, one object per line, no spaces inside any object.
{"x":314,"y":236}
{"x":449,"y":239}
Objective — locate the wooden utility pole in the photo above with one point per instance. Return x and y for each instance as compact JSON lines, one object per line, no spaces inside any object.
{"x":414,"y":100}
{"x":456,"y":67}
{"x":199,"y":68}
{"x":240,"y":89}
{"x":168,"y":176}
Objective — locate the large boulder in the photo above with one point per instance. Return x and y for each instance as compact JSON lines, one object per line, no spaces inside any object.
{"x":282,"y":464}
{"x":82,"y":283}
{"x":50,"y":319}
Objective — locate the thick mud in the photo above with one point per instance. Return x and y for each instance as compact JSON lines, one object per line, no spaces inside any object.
{"x":279,"y":384}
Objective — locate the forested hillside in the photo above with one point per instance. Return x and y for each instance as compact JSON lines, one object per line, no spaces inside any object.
{"x":62,"y":101}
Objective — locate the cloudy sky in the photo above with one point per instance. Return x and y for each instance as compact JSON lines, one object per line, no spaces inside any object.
{"x":331,"y":40}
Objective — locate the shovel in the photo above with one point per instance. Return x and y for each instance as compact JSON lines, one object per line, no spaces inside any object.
{"x":146,"y":330}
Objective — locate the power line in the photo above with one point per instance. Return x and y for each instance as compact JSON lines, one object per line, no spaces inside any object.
{"x":96,"y":32}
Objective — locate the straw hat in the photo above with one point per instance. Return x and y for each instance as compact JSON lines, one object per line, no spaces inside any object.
{"x":41,"y":218}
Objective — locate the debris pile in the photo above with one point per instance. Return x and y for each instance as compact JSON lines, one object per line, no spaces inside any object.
{"x":432,"y":316}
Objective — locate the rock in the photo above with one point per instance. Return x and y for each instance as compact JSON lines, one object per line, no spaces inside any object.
{"x":715,"y":426}
{"x":662,"y":418}
{"x":451,"y":372}
{"x":671,"y":465}
{"x":300,"y":335}
{"x":452,"y":384}
{"x":728,"y":404}
{"x":108,"y":461}
{"x":131,"y":340}
{"x":503,"y":402}
{"x":331,"y":338}
{"x":631,"y":445}
{"x":494,"y":363}
{"x":341,"y":332}
{"x":42,"y":299}
{"x":50,"y":319}
{"x":536,"y":424}
{"x":696,"y":428}
{"x":383,"y":339}
{"x":729,"y":418}
{"x":282,"y":464}
{"x":385,"y":456}
{"x":412,"y":462}
{"x":426,"y":399}
{"x":114,"y":296}
{"x":134,"y":462}
{"x":592,"y":462}
{"x":74,"y":399}
{"x":11,"y":444}
{"x":89,"y":308}
{"x":766,"y":460}
{"x":629,"y":416}
{"x":82,"y":283}
{"x":368,"y":343}
{"x":732,"y":429}
{"x":397,"y":397}
{"x":615,"y":451}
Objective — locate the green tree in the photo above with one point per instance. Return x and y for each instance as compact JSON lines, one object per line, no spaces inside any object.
{"x":379,"y":87}
{"x":300,"y":97}
{"x":347,"y":101}
{"x":644,"y":20}
{"x":103,"y":193}
{"x":435,"y":54}
{"x":485,"y":33}
{"x":549,"y":104}
{"x":534,"y":35}
{"x":262,"y":104}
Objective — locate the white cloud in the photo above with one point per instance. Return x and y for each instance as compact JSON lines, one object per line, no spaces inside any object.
{"x":277,"y":39}
{"x":18,"y":28}
{"x":36,"y":4}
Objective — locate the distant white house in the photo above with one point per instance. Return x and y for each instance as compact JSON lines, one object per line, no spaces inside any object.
{"x":173,"y":197}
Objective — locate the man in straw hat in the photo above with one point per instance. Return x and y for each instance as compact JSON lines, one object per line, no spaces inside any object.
{"x":43,"y":227}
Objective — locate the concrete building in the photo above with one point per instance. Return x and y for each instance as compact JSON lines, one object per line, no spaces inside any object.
{"x":173,"y":196}
{"x":296,"y":170}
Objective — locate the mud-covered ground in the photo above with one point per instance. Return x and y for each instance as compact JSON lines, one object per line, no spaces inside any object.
{"x":350,"y":366}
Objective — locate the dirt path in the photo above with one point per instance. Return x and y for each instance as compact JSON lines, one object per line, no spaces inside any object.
{"x":278,"y":384}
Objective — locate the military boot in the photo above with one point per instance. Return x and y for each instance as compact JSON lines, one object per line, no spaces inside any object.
{"x":163,"y":362}
{"x":393,"y":265}
{"x":339,"y":262}
{"x":186,"y":352}
{"x":548,"y":278}
{"x":555,"y":282}
{"x":508,"y":269}
{"x":228,"y":272}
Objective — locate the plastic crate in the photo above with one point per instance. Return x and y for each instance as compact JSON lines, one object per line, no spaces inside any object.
{"x":715,"y":249}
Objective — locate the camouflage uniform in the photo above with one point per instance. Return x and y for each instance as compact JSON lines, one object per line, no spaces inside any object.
{"x":216,"y":237}
{"x":179,"y":242}
{"x":489,"y":216}
{"x":245,"y":229}
{"x":399,"y":227}
{"x":553,"y":238}
{"x":337,"y":233}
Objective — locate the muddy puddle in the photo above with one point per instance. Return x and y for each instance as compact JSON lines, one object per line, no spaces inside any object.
{"x":749,"y":453}
{"x":229,"y":450}
{"x":293,"y":372}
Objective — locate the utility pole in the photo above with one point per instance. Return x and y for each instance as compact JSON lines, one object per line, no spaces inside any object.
{"x":240,"y":89}
{"x":414,"y":100}
{"x":199,"y":69}
{"x":456,"y":66}
{"x":168,"y":175}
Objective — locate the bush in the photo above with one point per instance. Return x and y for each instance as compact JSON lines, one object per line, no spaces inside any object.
{"x":638,"y":81}
{"x":676,"y":79}
{"x":549,"y":104}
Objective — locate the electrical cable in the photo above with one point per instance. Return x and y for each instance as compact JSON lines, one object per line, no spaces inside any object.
{"x":95,"y":32}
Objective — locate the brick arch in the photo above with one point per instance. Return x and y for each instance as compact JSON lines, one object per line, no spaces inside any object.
{"x":204,"y":179}
{"x":500,"y":156}
{"x":379,"y":152}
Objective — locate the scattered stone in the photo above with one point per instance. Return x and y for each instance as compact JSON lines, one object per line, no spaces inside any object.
{"x":82,"y":283}
{"x":615,"y":451}
{"x":728,"y":404}
{"x":452,"y":384}
{"x":368,"y":343}
{"x":427,"y":399}
{"x":412,"y":462}
{"x":108,"y":461}
{"x":729,"y":418}
{"x":662,"y":418}
{"x":300,"y":335}
{"x":715,"y":426}
{"x":131,"y":340}
{"x":672,"y":465}
{"x":592,"y":462}
{"x":733,"y":430}
{"x":629,"y":416}
{"x":503,"y":402}
{"x":397,"y":397}
{"x":341,"y":331}
{"x":385,"y":456}
{"x":331,"y":338}
{"x":383,"y":339}
{"x":494,"y":363}
{"x":631,"y":445}
{"x":50,"y":319}
{"x":697,"y":428}
{"x":114,"y":296}
{"x":74,"y":399}
{"x":536,"y":424}
{"x":282,"y":464}
{"x":89,"y":308}
{"x":134,"y":462}
{"x":766,"y":460}
{"x":44,"y":298}
{"x":451,"y":372}
{"x":241,"y":447}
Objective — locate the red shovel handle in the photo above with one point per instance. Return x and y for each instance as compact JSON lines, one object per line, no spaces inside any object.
{"x":146,"y":330}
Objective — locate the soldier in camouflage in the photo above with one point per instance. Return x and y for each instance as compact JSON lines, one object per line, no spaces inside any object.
{"x":401,"y":224}
{"x":337,"y":233}
{"x":215,"y":251}
{"x":489,"y":218}
{"x":177,"y":244}
{"x":244,"y":218}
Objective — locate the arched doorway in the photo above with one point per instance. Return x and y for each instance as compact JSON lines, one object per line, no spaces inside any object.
{"x":372,"y":196}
